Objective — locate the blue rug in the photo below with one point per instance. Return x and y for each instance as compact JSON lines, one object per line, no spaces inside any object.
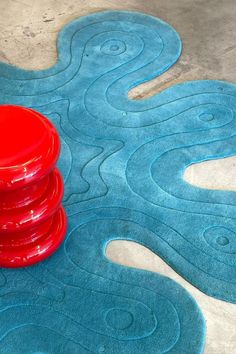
{"x":123,"y":161}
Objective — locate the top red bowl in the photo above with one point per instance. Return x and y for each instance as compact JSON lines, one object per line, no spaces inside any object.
{"x":29,"y":147}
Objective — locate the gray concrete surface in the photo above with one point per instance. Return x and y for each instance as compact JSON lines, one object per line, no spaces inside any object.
{"x":28,"y":31}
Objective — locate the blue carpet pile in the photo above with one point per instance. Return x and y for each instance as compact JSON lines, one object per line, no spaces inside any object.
{"x":123,"y":162}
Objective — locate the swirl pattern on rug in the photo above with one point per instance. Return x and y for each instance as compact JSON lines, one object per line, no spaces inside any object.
{"x":123,"y":162}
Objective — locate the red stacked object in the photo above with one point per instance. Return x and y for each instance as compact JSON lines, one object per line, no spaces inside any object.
{"x":32,"y":219}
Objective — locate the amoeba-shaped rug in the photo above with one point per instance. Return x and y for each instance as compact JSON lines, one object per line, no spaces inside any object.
{"x":123,"y":162}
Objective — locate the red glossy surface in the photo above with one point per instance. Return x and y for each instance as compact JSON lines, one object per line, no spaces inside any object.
{"x":23,"y":196}
{"x":33,"y":252}
{"x":32,"y":220}
{"x":29,"y":146}
{"x":26,"y":236}
{"x":19,"y":219}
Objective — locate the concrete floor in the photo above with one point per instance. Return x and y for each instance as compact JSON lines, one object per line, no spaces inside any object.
{"x":28,"y":31}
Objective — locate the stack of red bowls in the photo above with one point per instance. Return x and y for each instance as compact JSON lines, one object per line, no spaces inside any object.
{"x":32,"y":220}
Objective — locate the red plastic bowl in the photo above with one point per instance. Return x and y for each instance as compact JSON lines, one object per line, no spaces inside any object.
{"x":29,"y":146}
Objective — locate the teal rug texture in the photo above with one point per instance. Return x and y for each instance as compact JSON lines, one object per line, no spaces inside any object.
{"x":123,"y":162}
